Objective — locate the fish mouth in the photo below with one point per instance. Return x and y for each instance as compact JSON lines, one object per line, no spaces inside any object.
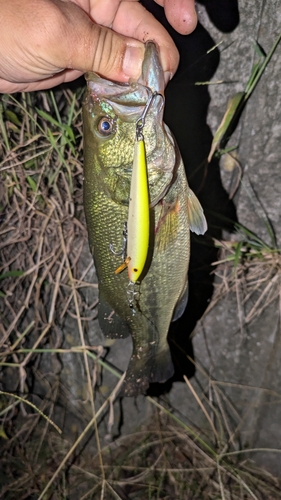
{"x":152,"y":75}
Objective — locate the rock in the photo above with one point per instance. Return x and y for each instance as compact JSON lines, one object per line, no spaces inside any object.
{"x":241,"y":361}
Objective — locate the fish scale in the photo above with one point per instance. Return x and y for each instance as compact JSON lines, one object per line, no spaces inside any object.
{"x":161,"y":293}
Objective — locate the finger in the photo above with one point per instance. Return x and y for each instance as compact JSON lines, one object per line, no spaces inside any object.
{"x":7,"y":87}
{"x":58,"y":36}
{"x":181,"y":14}
{"x":87,"y":46}
{"x":104,"y":11}
{"x":141,"y":24}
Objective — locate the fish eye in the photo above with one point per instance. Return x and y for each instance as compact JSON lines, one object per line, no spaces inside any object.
{"x":105,"y":126}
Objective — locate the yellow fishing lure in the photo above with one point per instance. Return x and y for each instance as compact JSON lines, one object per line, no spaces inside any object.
{"x":138,"y":217}
{"x":138,"y":224}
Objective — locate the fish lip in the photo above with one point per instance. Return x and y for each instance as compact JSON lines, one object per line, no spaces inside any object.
{"x":152,"y":75}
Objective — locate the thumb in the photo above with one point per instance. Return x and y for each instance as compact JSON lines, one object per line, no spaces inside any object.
{"x":86,"y":46}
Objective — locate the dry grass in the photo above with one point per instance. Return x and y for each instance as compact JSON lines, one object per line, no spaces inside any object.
{"x":45,"y":282}
{"x":251,"y":269}
{"x":160,"y":461}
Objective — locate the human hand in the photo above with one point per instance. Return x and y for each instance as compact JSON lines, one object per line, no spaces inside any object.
{"x":47,"y":42}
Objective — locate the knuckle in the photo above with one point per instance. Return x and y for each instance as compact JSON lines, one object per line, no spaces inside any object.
{"x":107,"y":53}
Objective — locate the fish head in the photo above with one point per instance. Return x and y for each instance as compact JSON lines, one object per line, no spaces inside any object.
{"x":111,"y":111}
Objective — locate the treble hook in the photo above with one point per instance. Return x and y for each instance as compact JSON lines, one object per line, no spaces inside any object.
{"x":132,"y":294}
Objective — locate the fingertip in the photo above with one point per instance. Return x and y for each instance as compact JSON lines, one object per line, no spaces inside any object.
{"x":182,"y":15}
{"x":188,"y":23}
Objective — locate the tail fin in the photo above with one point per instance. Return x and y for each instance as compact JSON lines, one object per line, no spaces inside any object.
{"x":146,"y":368}
{"x":163,"y":367}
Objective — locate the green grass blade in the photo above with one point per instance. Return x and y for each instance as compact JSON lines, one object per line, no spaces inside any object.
{"x":236,"y":103}
{"x":262,"y":68}
{"x":54,"y":102}
{"x":48,"y":118}
{"x":233,"y":108}
{"x":25,"y":401}
{"x":11,"y":274}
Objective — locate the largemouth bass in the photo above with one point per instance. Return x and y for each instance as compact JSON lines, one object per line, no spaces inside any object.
{"x":143,"y":309}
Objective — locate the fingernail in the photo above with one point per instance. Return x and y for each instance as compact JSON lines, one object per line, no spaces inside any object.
{"x":132,"y":62}
{"x":167,"y":77}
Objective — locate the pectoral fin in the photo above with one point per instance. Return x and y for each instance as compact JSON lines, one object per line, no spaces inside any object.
{"x":196,"y":217}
